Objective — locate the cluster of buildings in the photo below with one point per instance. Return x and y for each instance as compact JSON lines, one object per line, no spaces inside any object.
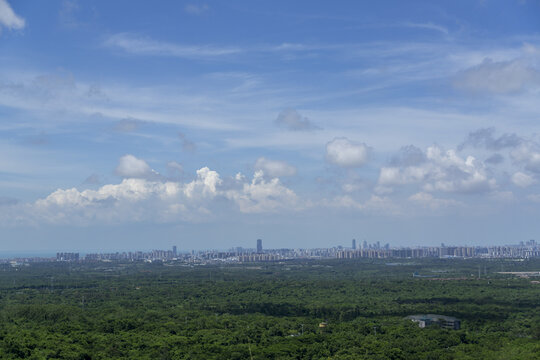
{"x":67,"y":256}
{"x":523,"y":250}
{"x":433,"y":320}
{"x":133,"y":256}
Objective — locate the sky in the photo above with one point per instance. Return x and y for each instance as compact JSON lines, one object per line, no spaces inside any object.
{"x":131,"y":125}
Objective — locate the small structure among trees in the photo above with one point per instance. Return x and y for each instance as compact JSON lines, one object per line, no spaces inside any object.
{"x":426,"y":320}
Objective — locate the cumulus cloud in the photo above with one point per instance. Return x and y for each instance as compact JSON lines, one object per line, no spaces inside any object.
{"x":156,"y":200}
{"x":346,"y":153}
{"x":205,"y":185}
{"x":522,"y":180}
{"x":442,"y":171}
{"x":261,"y":195}
{"x":274,"y":168}
{"x":131,"y":167}
{"x":292,"y":120}
{"x":131,"y":200}
{"x":484,"y":138}
{"x":8,"y":18}
{"x":499,"y":77}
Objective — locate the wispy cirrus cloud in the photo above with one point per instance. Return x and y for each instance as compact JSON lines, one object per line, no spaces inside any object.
{"x":196,"y":9}
{"x":141,"y":45}
{"x":427,"y":26}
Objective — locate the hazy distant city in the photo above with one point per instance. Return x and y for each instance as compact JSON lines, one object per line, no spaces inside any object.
{"x":523,"y":250}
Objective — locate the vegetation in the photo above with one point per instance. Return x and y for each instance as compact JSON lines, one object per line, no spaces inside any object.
{"x":268,"y":311}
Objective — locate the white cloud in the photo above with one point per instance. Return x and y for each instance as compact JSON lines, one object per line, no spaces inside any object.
{"x":274,"y":168}
{"x":205,"y":185}
{"x":47,"y":96}
{"x":427,"y":26}
{"x":131,"y":200}
{"x":400,"y":176}
{"x":140,"y":45}
{"x":499,"y":77}
{"x":131,"y":167}
{"x":263,"y":196}
{"x":346,"y":153}
{"x":8,"y":18}
{"x":453,"y":173}
{"x":154,"y":200}
{"x":522,"y":180}
{"x":442,"y":171}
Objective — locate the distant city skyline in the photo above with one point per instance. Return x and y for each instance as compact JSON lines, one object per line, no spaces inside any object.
{"x":523,"y":250}
{"x":208,"y":124}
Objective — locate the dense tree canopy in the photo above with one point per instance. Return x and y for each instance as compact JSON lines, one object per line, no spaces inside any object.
{"x":268,"y":311}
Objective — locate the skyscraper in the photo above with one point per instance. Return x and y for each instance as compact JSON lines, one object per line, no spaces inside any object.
{"x":259,"y":246}
{"x":354,"y":244}
{"x":174,"y":250}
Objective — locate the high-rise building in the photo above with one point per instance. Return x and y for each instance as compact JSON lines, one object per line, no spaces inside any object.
{"x":364,"y":245}
{"x":259,"y":246}
{"x":174,"y":250}
{"x":354,"y":244}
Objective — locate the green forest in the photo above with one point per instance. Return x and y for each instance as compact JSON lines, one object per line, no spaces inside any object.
{"x":171,"y":310}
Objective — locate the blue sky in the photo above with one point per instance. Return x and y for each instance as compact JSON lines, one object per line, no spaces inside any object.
{"x":136,"y":125}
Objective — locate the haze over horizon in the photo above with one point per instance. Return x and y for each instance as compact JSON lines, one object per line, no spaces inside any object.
{"x":208,"y":124}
